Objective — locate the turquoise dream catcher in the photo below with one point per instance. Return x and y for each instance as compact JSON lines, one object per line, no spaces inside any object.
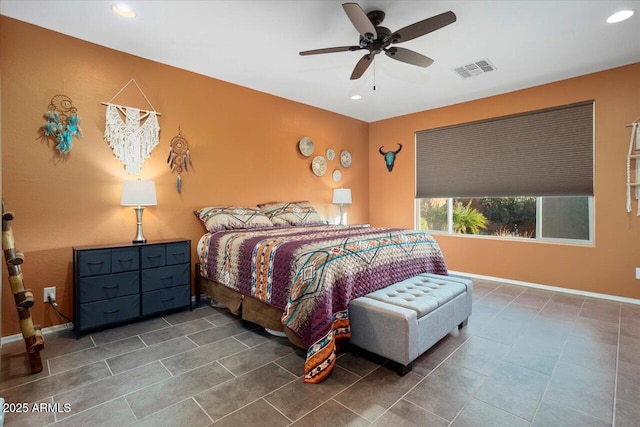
{"x":62,"y":124}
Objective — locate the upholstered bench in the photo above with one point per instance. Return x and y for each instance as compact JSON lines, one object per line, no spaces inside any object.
{"x":402,"y":321}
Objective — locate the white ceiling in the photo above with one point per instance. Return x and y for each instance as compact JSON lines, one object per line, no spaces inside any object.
{"x":256,"y":43}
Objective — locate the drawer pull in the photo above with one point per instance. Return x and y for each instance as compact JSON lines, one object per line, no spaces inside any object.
{"x":125,"y":260}
{"x":153,"y":256}
{"x":95,"y":263}
{"x":111,"y":312}
{"x":167,"y":299}
{"x":177,"y":254}
{"x":110,"y":287}
{"x":166,"y":278}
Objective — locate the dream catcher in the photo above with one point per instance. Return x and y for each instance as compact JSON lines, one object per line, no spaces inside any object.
{"x":62,"y":124}
{"x":179,"y":157}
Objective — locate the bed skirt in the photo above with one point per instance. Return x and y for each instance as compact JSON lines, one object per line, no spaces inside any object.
{"x":247,"y":308}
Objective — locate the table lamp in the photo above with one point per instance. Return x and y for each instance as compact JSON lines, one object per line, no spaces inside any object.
{"x":138,"y":193}
{"x":342,"y":196}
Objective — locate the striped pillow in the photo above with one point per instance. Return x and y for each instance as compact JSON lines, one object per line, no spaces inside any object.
{"x":291,"y":213}
{"x":217,"y":218}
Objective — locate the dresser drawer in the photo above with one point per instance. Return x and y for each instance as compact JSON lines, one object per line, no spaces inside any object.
{"x":113,"y":310}
{"x":92,"y":263}
{"x":165,"y":277}
{"x":109,"y":286}
{"x":153,"y":256}
{"x":124,"y":259}
{"x":178,"y":253}
{"x":165,"y":299}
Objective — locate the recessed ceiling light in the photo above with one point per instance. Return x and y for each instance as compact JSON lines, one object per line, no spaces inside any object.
{"x":620,"y":16}
{"x":356,"y":97}
{"x":123,"y":9}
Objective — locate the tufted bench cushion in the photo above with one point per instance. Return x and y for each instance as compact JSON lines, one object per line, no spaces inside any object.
{"x":402,"y":321}
{"x":423,"y":294}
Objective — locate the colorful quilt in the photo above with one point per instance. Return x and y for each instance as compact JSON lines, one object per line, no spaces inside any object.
{"x":313,"y":272}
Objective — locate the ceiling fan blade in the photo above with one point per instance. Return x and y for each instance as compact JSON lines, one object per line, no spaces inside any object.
{"x":360,"y":20}
{"x":408,"y":56}
{"x":423,"y":27}
{"x":330,"y":50}
{"x":362,"y":66}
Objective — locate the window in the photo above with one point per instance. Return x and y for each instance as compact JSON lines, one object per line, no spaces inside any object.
{"x":564,"y":219}
{"x":527,"y":175}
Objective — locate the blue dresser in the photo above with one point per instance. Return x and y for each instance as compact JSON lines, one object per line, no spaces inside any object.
{"x":122,"y":283}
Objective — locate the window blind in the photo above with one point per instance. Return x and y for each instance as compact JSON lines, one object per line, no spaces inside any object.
{"x":540,"y":153}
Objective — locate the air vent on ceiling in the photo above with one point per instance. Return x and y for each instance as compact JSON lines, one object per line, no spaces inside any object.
{"x":476,"y":68}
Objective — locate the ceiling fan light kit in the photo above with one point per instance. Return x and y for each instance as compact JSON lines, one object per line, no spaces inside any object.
{"x":377,"y":39}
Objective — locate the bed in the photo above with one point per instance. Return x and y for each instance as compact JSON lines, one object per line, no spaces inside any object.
{"x":300,"y":279}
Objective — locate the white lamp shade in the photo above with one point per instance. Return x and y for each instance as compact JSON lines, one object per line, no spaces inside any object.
{"x":138,"y":193}
{"x":342,"y":196}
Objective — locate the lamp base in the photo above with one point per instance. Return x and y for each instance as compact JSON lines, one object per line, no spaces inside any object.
{"x":139,"y":235}
{"x":342,"y":218}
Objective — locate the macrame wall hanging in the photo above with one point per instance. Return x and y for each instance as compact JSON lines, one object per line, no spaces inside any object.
{"x":179,"y":157}
{"x":634,"y":156}
{"x":62,"y":124}
{"x":133,"y":138}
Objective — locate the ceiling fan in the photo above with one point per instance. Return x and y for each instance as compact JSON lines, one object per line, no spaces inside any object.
{"x":377,"y":39}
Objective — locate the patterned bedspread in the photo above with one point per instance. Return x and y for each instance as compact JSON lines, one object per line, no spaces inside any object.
{"x":312,"y":273}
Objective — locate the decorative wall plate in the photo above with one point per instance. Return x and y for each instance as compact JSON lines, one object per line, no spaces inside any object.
{"x":319,"y":166}
{"x":345,"y":159}
{"x":337,"y":175}
{"x":306,"y":146}
{"x":331,"y":154}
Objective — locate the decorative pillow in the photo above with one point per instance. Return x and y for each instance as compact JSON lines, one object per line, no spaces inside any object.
{"x":216,"y":218}
{"x":294,"y":213}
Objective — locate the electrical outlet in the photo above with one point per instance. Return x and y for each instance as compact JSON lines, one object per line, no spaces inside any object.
{"x":637,"y":273}
{"x":50,"y":292}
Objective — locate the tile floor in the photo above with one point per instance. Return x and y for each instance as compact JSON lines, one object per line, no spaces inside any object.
{"x":526,"y":357}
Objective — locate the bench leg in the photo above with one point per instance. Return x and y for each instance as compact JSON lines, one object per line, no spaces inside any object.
{"x":404,"y":369}
{"x":464,"y":323}
{"x":355,"y":351}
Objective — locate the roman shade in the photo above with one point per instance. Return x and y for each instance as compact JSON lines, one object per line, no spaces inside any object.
{"x":540,"y":153}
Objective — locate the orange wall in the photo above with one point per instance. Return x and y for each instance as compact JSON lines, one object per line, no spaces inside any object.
{"x":243,"y":145}
{"x":244,"y":151}
{"x":608,"y":266}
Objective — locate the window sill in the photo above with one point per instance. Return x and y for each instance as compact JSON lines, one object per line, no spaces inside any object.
{"x":566,"y":242}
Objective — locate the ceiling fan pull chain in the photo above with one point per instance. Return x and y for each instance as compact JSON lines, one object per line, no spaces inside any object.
{"x":374,"y":73}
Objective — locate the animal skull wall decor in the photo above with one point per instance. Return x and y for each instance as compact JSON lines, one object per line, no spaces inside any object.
{"x":390,"y":156}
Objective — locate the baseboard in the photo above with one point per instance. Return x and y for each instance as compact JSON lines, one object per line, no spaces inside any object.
{"x":548,"y":287}
{"x":55,"y":328}
{"x":17,"y":337}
